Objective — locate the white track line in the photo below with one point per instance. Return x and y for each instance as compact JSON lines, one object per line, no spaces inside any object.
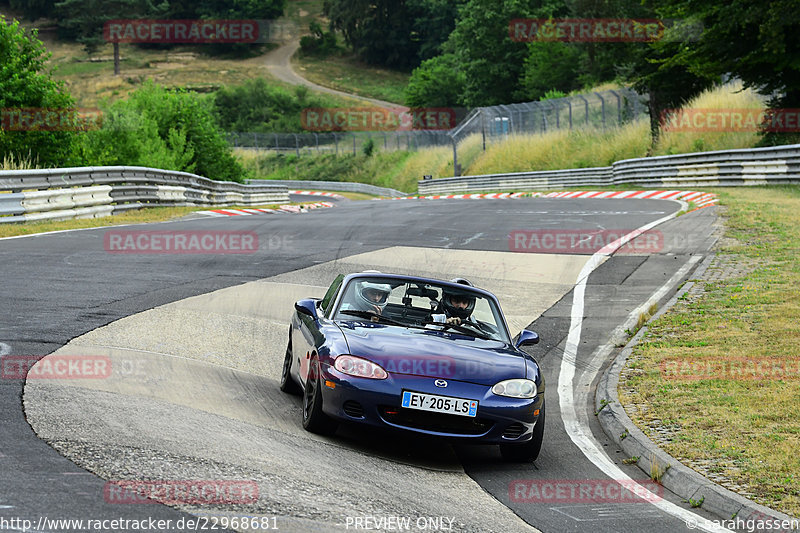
{"x":576,"y":431}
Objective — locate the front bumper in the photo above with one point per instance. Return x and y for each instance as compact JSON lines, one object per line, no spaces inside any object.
{"x":499,"y":419}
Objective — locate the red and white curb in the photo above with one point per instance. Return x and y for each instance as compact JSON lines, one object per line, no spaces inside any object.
{"x":701,"y":199}
{"x":493,"y":196}
{"x":319,"y":193}
{"x":281,"y":210}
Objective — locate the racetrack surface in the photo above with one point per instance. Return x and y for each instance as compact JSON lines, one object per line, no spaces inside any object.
{"x":204,"y":405}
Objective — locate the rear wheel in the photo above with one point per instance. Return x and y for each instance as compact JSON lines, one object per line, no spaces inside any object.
{"x":527,"y":451}
{"x":314,"y":420}
{"x":288,"y":385}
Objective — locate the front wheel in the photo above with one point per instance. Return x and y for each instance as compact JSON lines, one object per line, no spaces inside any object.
{"x":314,"y":420}
{"x":288,"y":385}
{"x":527,"y":451}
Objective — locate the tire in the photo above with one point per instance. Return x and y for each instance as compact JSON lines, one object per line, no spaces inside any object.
{"x":527,"y":451}
{"x":314,"y":420}
{"x":289,"y":385}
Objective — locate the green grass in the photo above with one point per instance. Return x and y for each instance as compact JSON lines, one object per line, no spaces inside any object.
{"x":347,"y":74}
{"x":750,"y":429}
{"x":385,"y":169}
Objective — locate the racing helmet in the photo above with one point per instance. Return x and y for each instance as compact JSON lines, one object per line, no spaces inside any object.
{"x":448,"y":293}
{"x":365,"y":289}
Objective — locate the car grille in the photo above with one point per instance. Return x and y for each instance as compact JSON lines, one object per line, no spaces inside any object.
{"x":353,"y":409}
{"x":514,"y":431}
{"x":439,"y":422}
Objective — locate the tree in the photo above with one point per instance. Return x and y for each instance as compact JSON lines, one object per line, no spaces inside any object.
{"x":83,"y":20}
{"x":157,"y":126}
{"x":437,"y":82}
{"x":393,"y":33}
{"x":25,"y":84}
{"x":492,"y":63}
{"x":34,"y":9}
{"x":756,"y":41}
{"x":551,"y":65}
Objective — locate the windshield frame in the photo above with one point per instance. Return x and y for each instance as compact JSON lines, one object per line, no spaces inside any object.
{"x":395,"y":280}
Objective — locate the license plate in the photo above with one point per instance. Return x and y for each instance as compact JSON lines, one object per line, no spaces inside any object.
{"x":440,"y":404}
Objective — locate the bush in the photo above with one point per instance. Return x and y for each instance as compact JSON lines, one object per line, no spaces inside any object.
{"x":24,"y":83}
{"x":437,"y":82}
{"x":319,"y":43}
{"x":368,"y":148}
{"x":170,"y":129}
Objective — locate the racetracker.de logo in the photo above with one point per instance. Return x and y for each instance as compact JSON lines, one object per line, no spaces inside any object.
{"x":143,"y":31}
{"x":172,"y":492}
{"x":50,"y":119}
{"x":55,"y":367}
{"x":584,"y":491}
{"x":734,"y":368}
{"x":585,"y":30}
{"x":585,"y":241}
{"x":180,"y":242}
{"x":377,"y":119}
{"x":731,"y":120}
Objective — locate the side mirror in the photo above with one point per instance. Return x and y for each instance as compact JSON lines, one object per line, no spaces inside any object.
{"x":527,"y":338}
{"x":307,"y":307}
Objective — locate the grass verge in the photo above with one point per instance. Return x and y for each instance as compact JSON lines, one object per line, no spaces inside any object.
{"x":140,"y":216}
{"x":347,"y":74}
{"x":715,"y":380}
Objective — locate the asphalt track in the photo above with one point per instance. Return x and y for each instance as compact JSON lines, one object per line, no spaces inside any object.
{"x":61,"y":286}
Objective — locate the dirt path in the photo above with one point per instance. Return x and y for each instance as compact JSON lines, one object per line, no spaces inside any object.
{"x":279,"y":64}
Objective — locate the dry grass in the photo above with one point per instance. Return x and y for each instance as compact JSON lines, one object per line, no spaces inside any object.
{"x":745,"y":431}
{"x":10,"y":162}
{"x":560,"y":149}
{"x":730,"y":97}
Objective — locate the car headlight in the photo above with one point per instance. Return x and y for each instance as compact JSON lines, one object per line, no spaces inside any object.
{"x":516,"y":388}
{"x":356,"y":366}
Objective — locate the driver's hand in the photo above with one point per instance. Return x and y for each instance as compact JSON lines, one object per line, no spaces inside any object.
{"x":454,"y":321}
{"x":377,"y":310}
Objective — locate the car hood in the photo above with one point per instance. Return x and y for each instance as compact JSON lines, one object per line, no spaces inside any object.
{"x":434,"y":353}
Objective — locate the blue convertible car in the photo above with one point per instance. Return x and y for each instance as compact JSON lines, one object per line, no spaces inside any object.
{"x":419,"y":355}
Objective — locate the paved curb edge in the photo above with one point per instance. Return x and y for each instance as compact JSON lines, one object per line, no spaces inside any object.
{"x":677,"y":477}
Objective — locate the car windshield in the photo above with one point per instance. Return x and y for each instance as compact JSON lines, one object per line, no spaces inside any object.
{"x":405,"y":303}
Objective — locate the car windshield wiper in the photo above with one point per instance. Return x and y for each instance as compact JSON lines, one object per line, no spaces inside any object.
{"x":371,"y":315}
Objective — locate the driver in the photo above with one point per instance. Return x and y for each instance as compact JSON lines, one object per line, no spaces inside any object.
{"x":455,"y":306}
{"x":370,"y":297}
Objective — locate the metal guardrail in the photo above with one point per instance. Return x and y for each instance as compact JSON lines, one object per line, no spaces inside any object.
{"x":346,"y":186}
{"x":756,"y":166}
{"x":88,"y":192}
{"x":547,"y":179}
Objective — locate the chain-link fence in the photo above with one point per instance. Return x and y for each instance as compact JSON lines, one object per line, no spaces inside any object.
{"x":603,"y":109}
{"x":339,"y":143}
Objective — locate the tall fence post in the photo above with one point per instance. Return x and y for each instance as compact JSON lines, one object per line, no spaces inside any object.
{"x":296,"y":145}
{"x":619,"y":106}
{"x":602,"y":108}
{"x":456,"y":172}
